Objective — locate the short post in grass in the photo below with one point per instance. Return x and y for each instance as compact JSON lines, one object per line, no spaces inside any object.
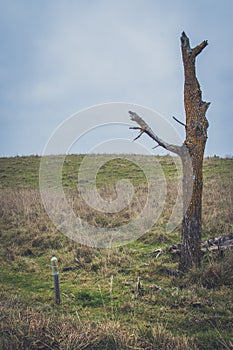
{"x":56,"y":279}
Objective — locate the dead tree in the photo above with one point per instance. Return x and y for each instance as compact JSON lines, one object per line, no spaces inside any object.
{"x":191,"y":154}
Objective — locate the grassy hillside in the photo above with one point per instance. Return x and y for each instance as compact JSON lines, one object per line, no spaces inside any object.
{"x":101,"y":307}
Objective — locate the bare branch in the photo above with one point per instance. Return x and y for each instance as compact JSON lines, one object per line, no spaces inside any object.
{"x":178,"y":121}
{"x":198,"y":49}
{"x":135,"y":127}
{"x":144,"y":127}
{"x":138,"y":136}
{"x":155,"y":146}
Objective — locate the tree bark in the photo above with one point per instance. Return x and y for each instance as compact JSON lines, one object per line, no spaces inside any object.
{"x":196,"y":136}
{"x":191,"y":153}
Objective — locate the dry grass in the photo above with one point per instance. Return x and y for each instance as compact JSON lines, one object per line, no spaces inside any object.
{"x":32,"y":330}
{"x":217,"y":206}
{"x":23,"y":209}
{"x":216,"y":273}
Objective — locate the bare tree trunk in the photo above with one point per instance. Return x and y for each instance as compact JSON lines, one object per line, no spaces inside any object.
{"x":191,"y":153}
{"x":196,"y":136}
{"x":191,"y":224}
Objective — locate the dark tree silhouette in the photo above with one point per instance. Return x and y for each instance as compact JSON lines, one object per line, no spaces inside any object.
{"x":191,"y":154}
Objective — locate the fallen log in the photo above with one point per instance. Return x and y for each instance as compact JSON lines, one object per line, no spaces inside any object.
{"x":210,"y":245}
{"x":225,"y":240}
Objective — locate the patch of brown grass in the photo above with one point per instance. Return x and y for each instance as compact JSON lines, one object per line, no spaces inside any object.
{"x":29,"y":329}
{"x":217,"y":206}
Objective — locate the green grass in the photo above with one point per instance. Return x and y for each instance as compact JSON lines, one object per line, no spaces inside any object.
{"x":100,"y":306}
{"x":23,"y":172}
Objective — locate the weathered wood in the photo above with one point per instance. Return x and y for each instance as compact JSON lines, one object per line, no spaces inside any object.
{"x":158,"y":252}
{"x":191,"y":154}
{"x":196,"y":136}
{"x":220,"y":243}
{"x":144,"y":128}
{"x":224,"y":240}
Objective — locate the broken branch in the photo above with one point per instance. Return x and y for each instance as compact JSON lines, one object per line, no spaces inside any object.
{"x":137,"y":137}
{"x":144,"y":128}
{"x":178,"y":121}
{"x":198,"y":49}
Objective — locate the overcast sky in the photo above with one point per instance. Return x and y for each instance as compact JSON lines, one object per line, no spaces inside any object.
{"x":60,"y":57}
